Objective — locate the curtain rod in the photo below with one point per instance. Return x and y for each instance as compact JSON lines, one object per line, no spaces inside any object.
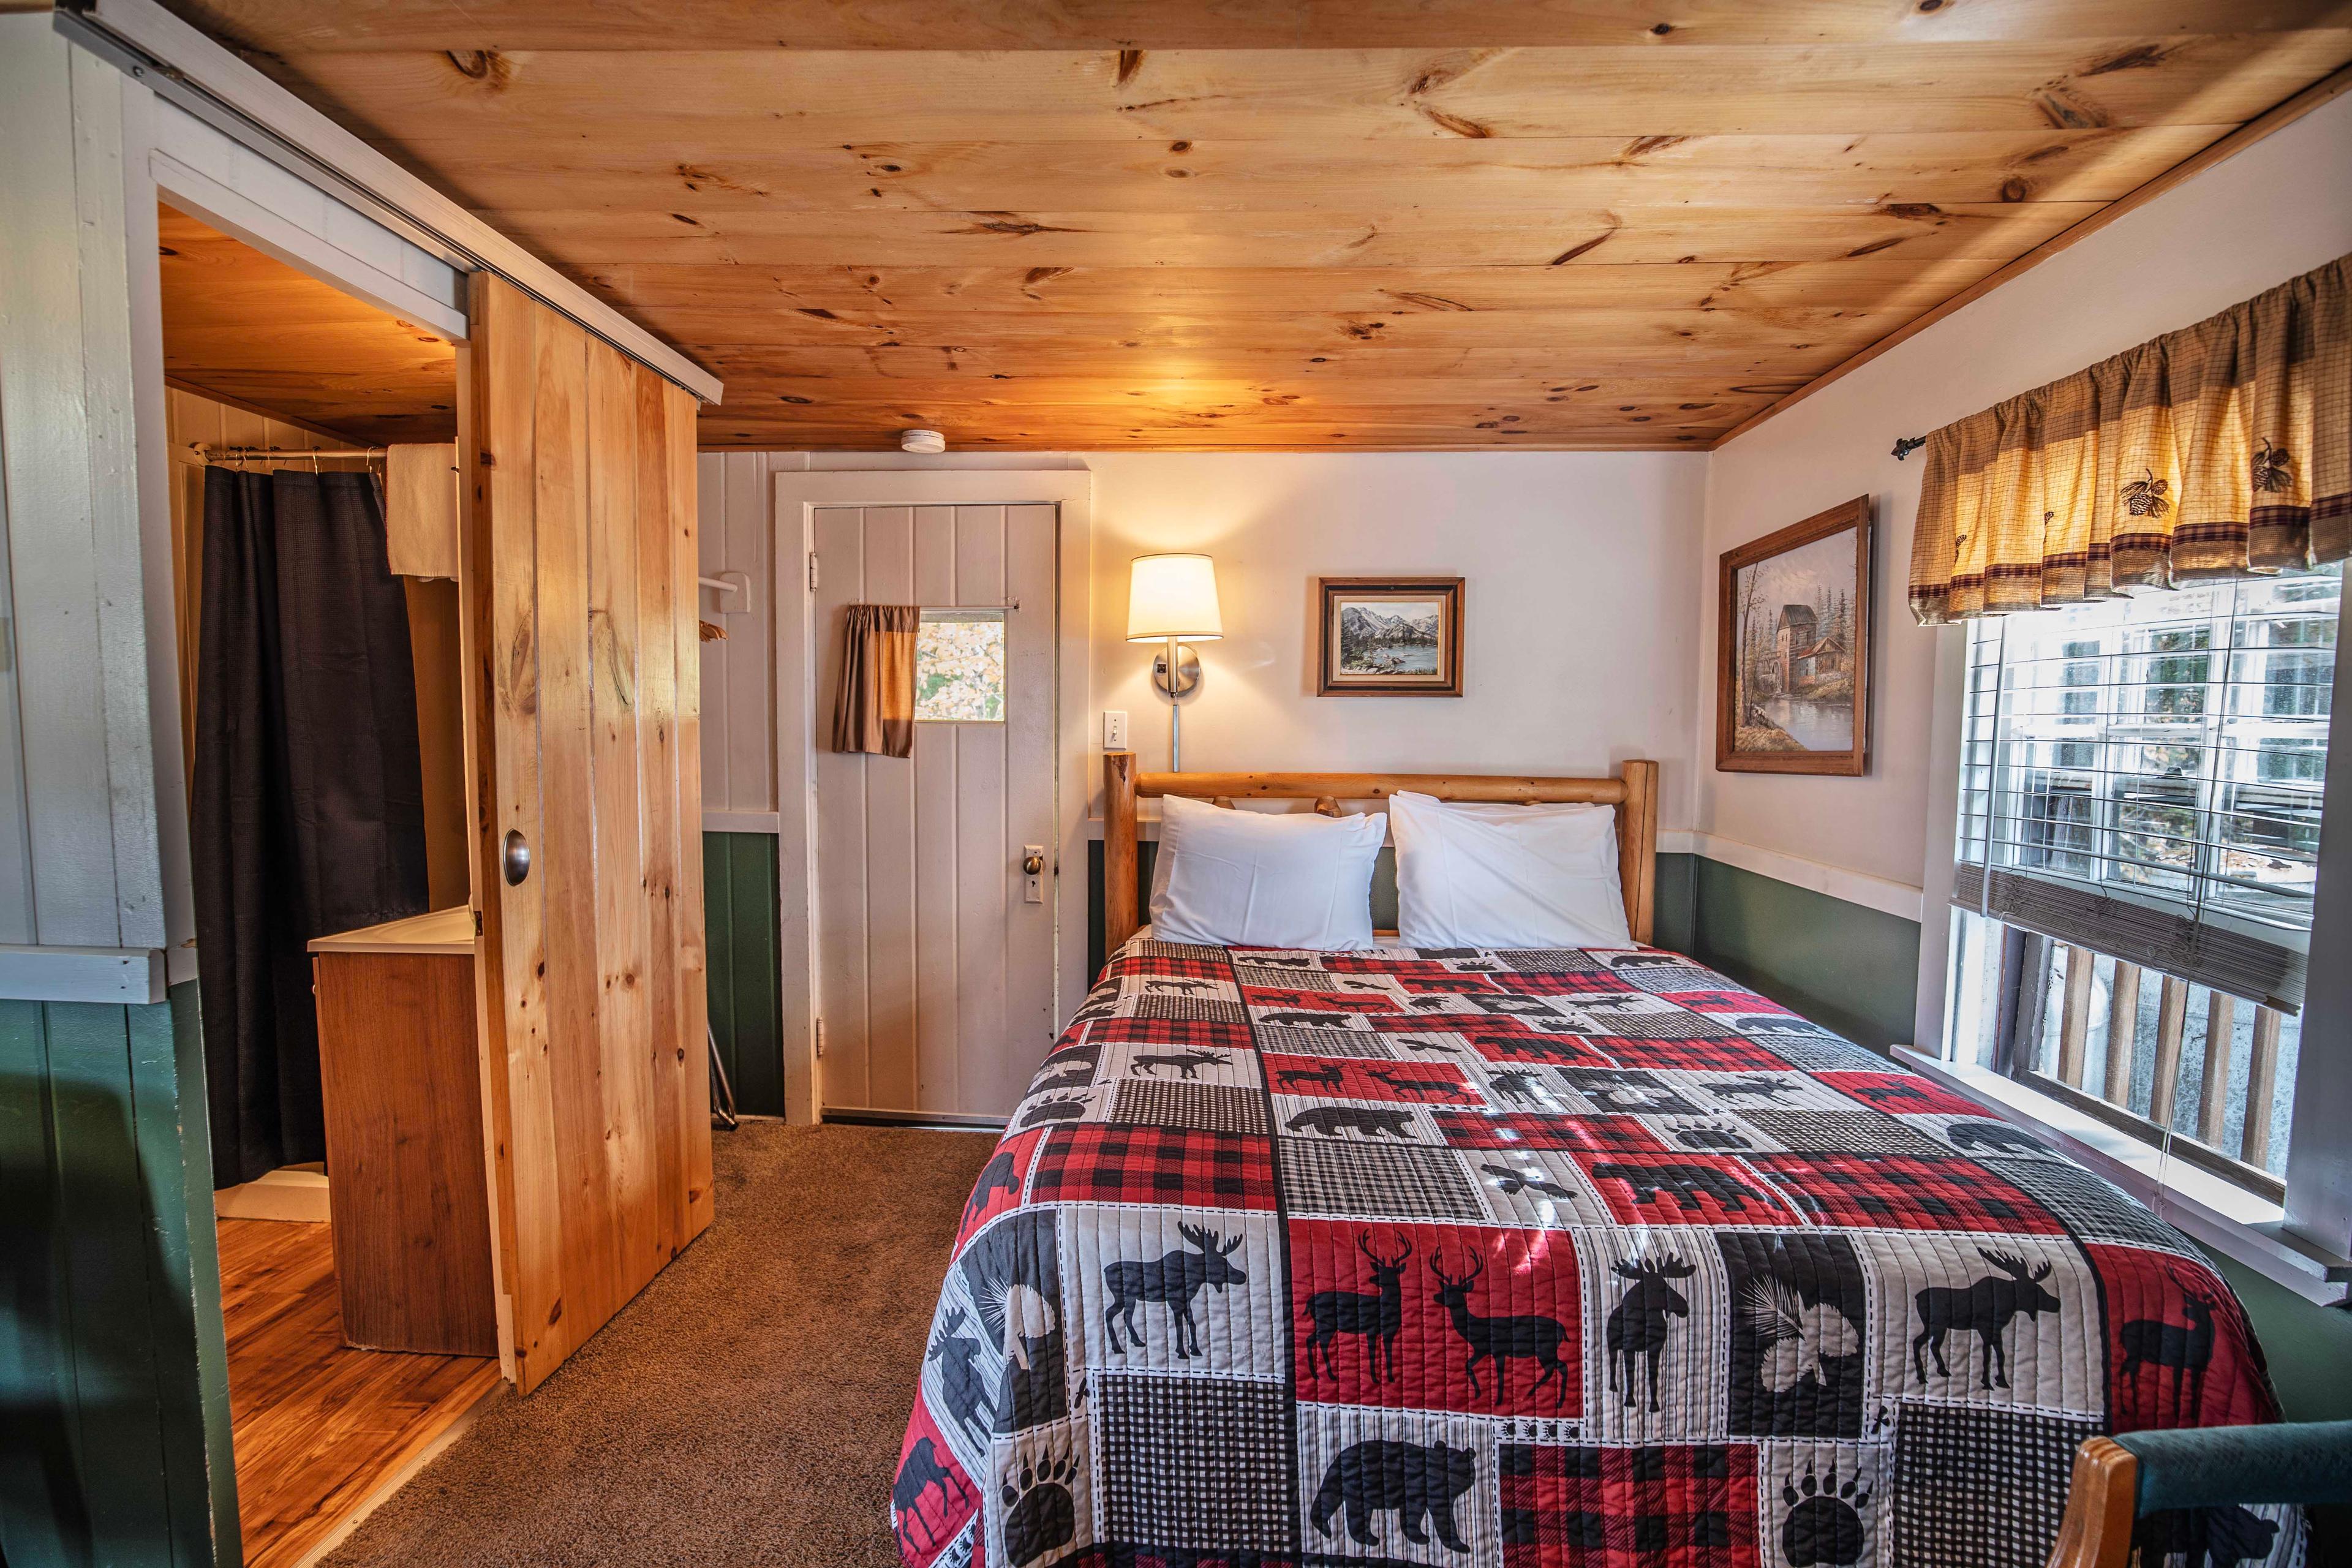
{"x":285,"y":453}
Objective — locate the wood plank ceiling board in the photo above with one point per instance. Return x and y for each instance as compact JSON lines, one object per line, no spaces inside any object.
{"x":247,"y":329}
{"x":1302,"y":223}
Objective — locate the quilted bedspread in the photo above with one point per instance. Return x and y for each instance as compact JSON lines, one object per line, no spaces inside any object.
{"x":1535,"y":1257}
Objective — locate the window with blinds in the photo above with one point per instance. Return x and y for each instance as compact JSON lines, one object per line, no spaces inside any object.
{"x":2143,"y":776}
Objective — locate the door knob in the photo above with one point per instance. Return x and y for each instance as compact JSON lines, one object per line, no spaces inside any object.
{"x":517,"y":858}
{"x":1032,"y":863}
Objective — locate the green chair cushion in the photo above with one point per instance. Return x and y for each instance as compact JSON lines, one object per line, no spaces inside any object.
{"x":2206,"y":1467}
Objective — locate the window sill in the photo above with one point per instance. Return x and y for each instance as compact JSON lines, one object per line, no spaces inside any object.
{"x":2241,"y":1225}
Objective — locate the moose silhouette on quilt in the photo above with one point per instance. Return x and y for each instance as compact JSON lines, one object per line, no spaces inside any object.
{"x":1535,"y":1259}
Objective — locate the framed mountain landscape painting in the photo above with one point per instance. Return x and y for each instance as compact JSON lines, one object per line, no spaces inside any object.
{"x":1390,"y":636}
{"x":1793,"y":649}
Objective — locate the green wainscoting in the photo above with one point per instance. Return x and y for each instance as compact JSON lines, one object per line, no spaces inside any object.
{"x":2309,"y":1348}
{"x":113,"y":1370}
{"x":1851,"y":969}
{"x":739,"y":918}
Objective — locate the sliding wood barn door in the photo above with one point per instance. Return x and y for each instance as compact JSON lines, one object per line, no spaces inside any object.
{"x":585,"y":699}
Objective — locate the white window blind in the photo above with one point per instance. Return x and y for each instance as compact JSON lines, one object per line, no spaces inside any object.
{"x":2143,"y":776}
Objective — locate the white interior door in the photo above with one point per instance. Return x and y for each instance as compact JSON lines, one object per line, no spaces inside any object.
{"x":934,"y":946}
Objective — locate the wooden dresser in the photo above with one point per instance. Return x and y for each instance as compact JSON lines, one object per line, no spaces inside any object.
{"x":406,"y":1182}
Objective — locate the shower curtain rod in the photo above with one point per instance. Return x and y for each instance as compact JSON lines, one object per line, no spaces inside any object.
{"x":285,"y":453}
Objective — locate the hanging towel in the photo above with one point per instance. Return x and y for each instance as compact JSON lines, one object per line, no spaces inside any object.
{"x":874,"y":708}
{"x":420,"y":510}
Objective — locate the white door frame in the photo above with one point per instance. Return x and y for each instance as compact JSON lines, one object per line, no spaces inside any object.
{"x":801,"y":709}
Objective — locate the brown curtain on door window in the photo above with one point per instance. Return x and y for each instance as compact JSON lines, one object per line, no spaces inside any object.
{"x":2220,"y":450}
{"x":873,"y":709}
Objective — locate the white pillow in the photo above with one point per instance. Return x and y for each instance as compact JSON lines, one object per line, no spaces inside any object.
{"x":1250,"y":878}
{"x":1507,"y":875}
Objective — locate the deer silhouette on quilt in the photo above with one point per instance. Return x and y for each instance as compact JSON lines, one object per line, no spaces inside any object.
{"x":1378,"y":1315}
{"x":1984,"y":1309}
{"x":1172,"y":1280}
{"x":2185,"y":1349}
{"x":1501,"y":1340}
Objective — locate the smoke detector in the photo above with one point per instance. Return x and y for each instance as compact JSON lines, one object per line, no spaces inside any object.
{"x":924,"y":441}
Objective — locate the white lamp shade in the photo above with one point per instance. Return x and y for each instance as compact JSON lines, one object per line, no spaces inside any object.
{"x":1173,"y":596}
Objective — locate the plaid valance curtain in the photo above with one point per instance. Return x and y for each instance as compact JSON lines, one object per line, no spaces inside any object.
{"x":2220,"y":450}
{"x":874,"y":707}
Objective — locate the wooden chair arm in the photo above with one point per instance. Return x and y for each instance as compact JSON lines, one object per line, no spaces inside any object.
{"x":2097,"y":1530}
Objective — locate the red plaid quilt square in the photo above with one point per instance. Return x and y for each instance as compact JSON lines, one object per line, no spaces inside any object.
{"x":1725,"y":1001}
{"x":1570,"y":982}
{"x":1166,"y":1166}
{"x":1730,"y":1054}
{"x":1901,"y":1192}
{"x":1207,"y":966}
{"x":1685,"y":1506}
{"x":1899,"y":1093}
{"x":1520,"y":1129}
{"x":1200,"y":1032}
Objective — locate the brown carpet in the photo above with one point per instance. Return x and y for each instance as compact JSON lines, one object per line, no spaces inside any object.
{"x":746,"y":1407}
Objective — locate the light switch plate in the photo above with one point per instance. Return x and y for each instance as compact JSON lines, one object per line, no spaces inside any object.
{"x":1114,"y":730}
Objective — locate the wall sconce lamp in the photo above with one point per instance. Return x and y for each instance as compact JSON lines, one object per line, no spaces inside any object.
{"x":1170,"y":597}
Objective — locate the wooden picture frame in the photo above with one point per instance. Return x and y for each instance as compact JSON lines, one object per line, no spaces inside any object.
{"x":1793,"y":675}
{"x":1343,"y":661}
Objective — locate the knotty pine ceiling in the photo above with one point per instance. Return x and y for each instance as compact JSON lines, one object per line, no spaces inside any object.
{"x":1195,"y":224}
{"x":247,"y":329}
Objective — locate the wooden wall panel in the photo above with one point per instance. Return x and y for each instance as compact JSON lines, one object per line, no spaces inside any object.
{"x":672,"y":812}
{"x":690,"y":1049}
{"x":594,"y":965}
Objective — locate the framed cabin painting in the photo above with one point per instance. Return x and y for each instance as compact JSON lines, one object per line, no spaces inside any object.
{"x":1793,"y":649}
{"x":1390,"y":637}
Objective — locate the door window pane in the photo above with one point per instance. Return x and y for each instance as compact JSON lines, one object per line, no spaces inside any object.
{"x":960,"y":667}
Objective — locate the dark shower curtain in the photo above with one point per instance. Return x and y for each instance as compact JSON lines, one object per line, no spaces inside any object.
{"x":308,"y":811}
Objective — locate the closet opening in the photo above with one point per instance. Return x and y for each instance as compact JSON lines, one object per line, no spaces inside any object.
{"x":316,"y":587}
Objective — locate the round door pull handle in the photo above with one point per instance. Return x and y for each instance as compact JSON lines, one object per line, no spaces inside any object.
{"x":1033,"y":865}
{"x":516,"y":858}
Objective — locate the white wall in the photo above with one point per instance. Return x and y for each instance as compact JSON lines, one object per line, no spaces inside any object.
{"x":1578,"y":648}
{"x":2280,"y":208}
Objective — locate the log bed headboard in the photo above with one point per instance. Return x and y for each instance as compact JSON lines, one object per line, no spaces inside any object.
{"x":1633,"y":792}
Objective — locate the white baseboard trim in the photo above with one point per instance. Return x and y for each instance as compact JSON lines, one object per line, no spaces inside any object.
{"x":1853,"y":887}
{"x":739,"y":822}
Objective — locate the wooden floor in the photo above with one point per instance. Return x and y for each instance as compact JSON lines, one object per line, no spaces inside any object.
{"x":319,"y":1427}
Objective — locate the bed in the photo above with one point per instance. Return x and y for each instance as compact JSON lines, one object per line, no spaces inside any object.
{"x":1527,"y":1258}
